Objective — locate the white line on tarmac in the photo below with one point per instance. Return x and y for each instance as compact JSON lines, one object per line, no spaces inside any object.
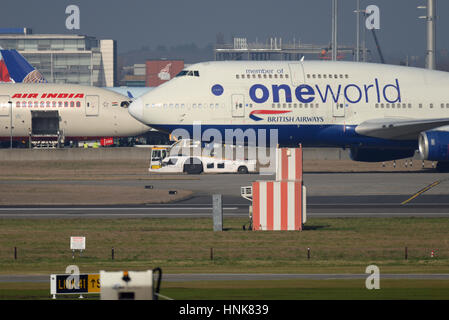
{"x":108,"y":209}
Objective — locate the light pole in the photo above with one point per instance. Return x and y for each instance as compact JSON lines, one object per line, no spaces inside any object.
{"x":334,"y":29}
{"x":357,"y":11}
{"x":430,"y":22}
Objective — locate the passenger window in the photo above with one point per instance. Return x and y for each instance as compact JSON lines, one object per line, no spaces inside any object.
{"x":220,"y":165}
{"x":286,"y":76}
{"x":42,"y":104}
{"x":236,"y":76}
{"x":36,"y":104}
{"x":72,"y":104}
{"x":66,"y":104}
{"x":196,"y":73}
{"x":60,"y":104}
{"x":210,"y":165}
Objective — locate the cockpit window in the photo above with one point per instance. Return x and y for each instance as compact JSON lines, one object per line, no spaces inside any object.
{"x":191,"y":73}
{"x":182,"y":73}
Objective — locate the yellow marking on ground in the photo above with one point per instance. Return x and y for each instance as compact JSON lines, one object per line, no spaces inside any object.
{"x":430,"y":186}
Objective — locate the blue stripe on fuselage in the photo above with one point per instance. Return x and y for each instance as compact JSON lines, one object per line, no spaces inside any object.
{"x":308,"y":135}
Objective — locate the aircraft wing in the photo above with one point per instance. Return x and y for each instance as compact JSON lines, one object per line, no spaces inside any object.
{"x":398,"y":128}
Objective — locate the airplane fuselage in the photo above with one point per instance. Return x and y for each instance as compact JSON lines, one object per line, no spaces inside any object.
{"x":312,"y":102}
{"x":84,"y":112}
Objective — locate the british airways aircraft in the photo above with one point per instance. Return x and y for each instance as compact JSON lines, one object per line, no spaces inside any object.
{"x":380,"y":112}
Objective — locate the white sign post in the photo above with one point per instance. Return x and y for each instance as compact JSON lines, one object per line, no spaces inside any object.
{"x":77,"y":243}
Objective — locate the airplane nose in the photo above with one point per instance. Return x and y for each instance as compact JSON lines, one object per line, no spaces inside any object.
{"x":136,"y":109}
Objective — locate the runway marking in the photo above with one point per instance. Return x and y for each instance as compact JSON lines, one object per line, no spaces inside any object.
{"x":109,"y":209}
{"x":430,"y":186}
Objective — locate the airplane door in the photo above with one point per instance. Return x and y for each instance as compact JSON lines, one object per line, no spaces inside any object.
{"x":92,"y":105}
{"x":5,"y":106}
{"x":297,"y":73}
{"x":338,"y":108}
{"x":238,"y":105}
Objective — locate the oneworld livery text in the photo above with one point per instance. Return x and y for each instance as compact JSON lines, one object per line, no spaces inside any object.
{"x":304,"y":93}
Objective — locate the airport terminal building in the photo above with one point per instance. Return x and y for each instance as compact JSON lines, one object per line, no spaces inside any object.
{"x":66,"y":58}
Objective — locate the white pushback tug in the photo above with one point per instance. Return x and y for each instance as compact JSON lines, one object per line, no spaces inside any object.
{"x":180,"y":157}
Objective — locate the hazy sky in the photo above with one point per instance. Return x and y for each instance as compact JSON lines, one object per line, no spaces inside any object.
{"x":171,"y":22}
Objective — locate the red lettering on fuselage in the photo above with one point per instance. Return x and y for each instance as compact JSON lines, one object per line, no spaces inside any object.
{"x":48,"y":95}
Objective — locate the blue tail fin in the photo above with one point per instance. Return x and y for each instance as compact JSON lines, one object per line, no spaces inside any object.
{"x":18,"y":69}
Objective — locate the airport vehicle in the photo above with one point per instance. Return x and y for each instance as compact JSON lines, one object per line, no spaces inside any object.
{"x":380,"y":112}
{"x":180,"y":157}
{"x":39,"y":111}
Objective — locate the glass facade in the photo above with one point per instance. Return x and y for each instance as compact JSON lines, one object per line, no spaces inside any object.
{"x":66,"y":58}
